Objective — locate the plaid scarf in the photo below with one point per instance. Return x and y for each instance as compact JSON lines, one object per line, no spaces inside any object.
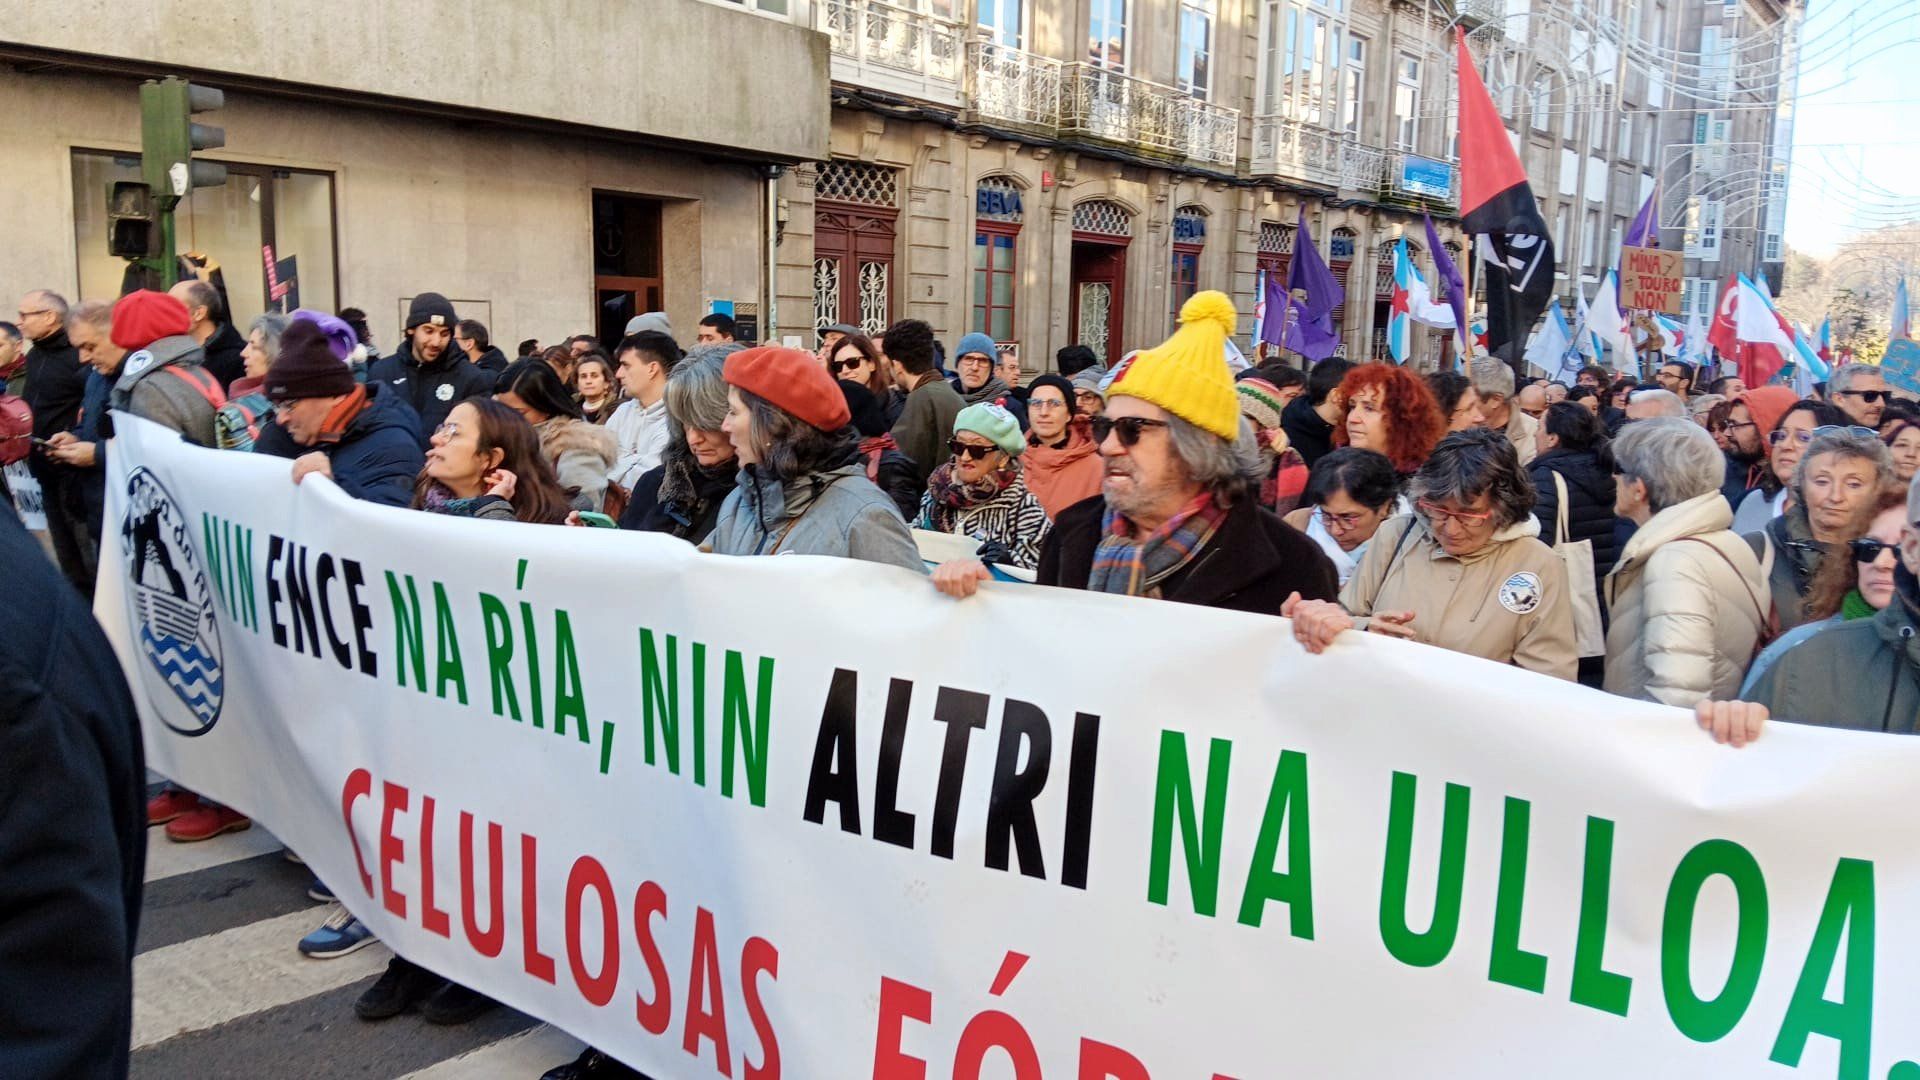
{"x":1135,"y":566}
{"x":950,"y":495}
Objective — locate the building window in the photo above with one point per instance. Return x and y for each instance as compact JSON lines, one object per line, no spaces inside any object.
{"x":1590,"y":240}
{"x":1710,"y":212}
{"x":1315,"y":68}
{"x":1353,"y":91}
{"x":271,"y":230}
{"x":1196,"y":47}
{"x":765,"y":7}
{"x":1540,"y":104}
{"x":1107,"y":35}
{"x":1406,"y":103}
{"x":1102,"y":218}
{"x":998,"y":213}
{"x":1340,"y":248}
{"x":1002,"y":20}
{"x":1189,"y":237}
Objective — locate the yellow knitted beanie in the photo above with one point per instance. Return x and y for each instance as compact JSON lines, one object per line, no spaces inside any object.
{"x":1187,"y":374}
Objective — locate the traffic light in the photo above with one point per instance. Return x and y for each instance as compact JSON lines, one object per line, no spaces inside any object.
{"x":169,"y":138}
{"x":130,"y":220}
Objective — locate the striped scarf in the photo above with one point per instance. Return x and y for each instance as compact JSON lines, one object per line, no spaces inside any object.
{"x":1130,"y":566}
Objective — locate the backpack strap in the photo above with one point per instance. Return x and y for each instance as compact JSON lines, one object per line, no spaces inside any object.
{"x":202,"y":382}
{"x":1764,"y":612}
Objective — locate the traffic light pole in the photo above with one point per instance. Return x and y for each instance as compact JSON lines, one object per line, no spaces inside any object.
{"x":166,"y":264}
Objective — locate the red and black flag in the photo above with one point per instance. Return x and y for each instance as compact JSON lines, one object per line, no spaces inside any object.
{"x":1498,"y":208}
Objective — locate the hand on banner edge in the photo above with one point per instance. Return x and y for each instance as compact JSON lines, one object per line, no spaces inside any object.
{"x":312,"y":463}
{"x":1315,"y":622}
{"x":960,"y":578}
{"x":1731,"y":722}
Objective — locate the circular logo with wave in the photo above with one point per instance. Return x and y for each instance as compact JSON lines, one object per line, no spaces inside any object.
{"x":171,"y":601}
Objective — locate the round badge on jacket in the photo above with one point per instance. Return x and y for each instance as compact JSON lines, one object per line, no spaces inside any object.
{"x":136,"y":363}
{"x":1520,"y":593}
{"x":444,"y":391}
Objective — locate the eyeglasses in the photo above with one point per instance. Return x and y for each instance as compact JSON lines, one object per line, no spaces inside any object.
{"x":1044,"y":404}
{"x":1440,"y":515}
{"x":1126,"y":428}
{"x":31,"y":314}
{"x":1779,"y":435}
{"x":977,"y":453}
{"x":449,"y":429}
{"x":1343,"y":522}
{"x":837,"y":366}
{"x":1871,"y":397}
{"x":1867,"y":549}
{"x":1734,"y":425}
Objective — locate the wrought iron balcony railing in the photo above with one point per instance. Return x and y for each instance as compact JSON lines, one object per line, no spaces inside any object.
{"x":1009,"y":86}
{"x":1291,"y":149}
{"x":1111,"y":107}
{"x":894,"y":48}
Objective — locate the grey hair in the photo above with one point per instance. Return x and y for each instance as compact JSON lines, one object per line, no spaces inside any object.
{"x":789,"y":447}
{"x":696,"y":391}
{"x":95,"y":313}
{"x":1669,"y":402}
{"x":1492,"y":378}
{"x":1848,"y":445}
{"x":1843,"y":376}
{"x":1677,"y":459}
{"x":1469,"y":463}
{"x":269,"y":326}
{"x":55,"y":302}
{"x":1229,"y":470}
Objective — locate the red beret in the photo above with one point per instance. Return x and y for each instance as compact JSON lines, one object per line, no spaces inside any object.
{"x":144,"y":317}
{"x":791,"y":379}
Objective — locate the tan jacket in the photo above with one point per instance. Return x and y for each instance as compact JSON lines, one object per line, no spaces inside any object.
{"x":1522,"y":432}
{"x":1506,"y":602}
{"x":1684,"y":618}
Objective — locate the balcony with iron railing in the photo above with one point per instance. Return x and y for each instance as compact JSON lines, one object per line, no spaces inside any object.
{"x":895,"y":49}
{"x":1011,"y":87}
{"x":1108,"y":107}
{"x":1293,"y":150}
{"x":1475,"y":13}
{"x":1414,"y":180}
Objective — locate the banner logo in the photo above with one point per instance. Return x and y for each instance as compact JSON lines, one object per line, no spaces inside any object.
{"x":171,"y":602}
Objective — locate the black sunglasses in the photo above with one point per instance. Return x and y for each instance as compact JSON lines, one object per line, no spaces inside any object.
{"x":977,"y":453}
{"x":1871,"y":397}
{"x":1128,"y":428}
{"x":1867,"y":549}
{"x":839,"y":366}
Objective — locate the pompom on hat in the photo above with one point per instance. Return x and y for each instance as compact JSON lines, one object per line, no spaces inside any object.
{"x":1187,"y":374}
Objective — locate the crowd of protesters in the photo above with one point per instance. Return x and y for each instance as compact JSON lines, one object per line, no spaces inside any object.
{"x":1683,"y":539}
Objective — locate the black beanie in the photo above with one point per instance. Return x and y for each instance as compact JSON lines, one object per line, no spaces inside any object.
{"x":430,"y":307}
{"x":306,"y":366}
{"x":1058,"y":383}
{"x":869,"y":418}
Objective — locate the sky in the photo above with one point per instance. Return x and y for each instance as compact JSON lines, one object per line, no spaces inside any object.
{"x":1856,"y":136}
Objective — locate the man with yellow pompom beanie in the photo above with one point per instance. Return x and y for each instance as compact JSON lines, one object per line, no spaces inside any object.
{"x":1177,"y":517}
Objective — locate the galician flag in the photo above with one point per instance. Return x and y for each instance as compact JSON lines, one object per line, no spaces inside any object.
{"x":1399,"y":310}
{"x":1551,"y":349}
{"x":1747,"y":328}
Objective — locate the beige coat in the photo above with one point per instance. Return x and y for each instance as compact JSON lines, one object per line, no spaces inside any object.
{"x":1506,"y":602}
{"x":1523,"y":432}
{"x":1684,"y":619}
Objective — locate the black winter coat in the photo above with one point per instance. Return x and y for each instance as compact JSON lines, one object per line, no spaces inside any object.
{"x":646,"y":513}
{"x":431,"y":389}
{"x":1253,"y":562}
{"x":378,"y":458}
{"x":492,"y":361}
{"x":223,"y":360}
{"x":56,"y":381}
{"x":1311,"y":436}
{"x":1590,"y":493}
{"x":899,"y":478}
{"x":73,"y":828}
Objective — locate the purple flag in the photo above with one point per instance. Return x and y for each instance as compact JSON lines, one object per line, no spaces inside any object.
{"x":1645,"y":230}
{"x":1279,"y":312}
{"x":1455,"y":287}
{"x":1309,"y":325}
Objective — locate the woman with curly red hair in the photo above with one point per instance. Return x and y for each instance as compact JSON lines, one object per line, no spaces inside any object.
{"x":1391,"y":411}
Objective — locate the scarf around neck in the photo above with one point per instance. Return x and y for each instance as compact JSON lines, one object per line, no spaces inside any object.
{"x":1129,"y":565}
{"x":993,"y":391}
{"x":950,"y":495}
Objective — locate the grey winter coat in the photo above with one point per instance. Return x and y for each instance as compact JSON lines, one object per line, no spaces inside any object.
{"x":150,"y":392}
{"x":1862,"y":674}
{"x":834,"y":512}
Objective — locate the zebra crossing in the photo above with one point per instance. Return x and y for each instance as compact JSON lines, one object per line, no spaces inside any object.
{"x":220,"y":991}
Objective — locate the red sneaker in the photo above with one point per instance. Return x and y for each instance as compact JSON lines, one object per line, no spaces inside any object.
{"x":205,"y":823}
{"x":170,"y":804}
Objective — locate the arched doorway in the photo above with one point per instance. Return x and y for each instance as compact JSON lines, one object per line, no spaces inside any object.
{"x":1101,"y":232}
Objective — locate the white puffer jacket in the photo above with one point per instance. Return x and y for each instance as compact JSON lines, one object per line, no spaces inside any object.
{"x":1684,"y":619}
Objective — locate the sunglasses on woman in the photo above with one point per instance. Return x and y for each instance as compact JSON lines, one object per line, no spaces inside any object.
{"x":839,"y":366}
{"x":1867,"y":549}
{"x":1779,"y":435}
{"x":1128,"y":428}
{"x":969,"y":450}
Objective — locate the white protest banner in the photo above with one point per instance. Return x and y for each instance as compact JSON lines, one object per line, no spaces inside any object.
{"x":804,"y":817}
{"x":29,"y":501}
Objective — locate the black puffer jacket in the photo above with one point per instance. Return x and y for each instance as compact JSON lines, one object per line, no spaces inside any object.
{"x":431,"y":390}
{"x":1590,"y":503}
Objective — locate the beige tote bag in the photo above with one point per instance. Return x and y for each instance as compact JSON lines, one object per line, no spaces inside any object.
{"x":1588,"y":637}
